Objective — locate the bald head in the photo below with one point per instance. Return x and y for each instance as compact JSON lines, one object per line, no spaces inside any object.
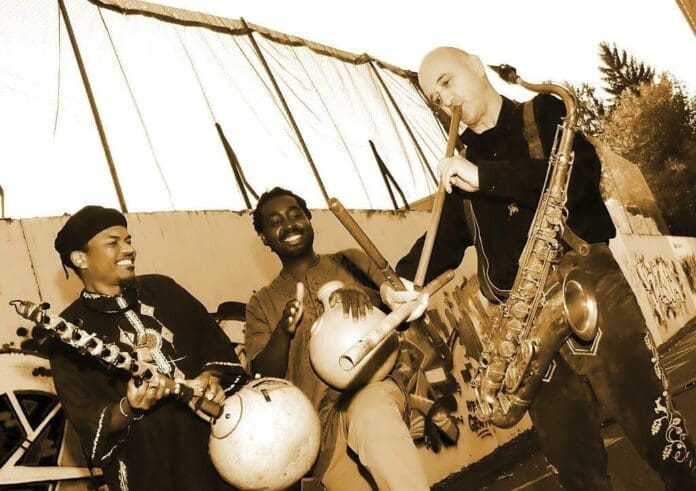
{"x":446,"y":54}
{"x":452,"y":77}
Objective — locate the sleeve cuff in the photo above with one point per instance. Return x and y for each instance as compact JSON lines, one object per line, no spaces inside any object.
{"x":490,"y":179}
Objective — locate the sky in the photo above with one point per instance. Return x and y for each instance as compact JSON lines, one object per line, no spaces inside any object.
{"x":49,"y":134}
{"x":545,"y":39}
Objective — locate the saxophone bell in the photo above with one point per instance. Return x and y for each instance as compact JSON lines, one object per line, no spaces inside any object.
{"x":580,"y":304}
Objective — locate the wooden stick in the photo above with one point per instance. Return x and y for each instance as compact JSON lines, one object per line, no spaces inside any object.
{"x":438,"y":203}
{"x":371,"y":340}
{"x":365,"y":243}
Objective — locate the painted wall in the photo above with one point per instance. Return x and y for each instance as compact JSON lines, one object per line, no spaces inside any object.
{"x":662,"y":273}
{"x":216,"y":254}
{"x":218,"y":257}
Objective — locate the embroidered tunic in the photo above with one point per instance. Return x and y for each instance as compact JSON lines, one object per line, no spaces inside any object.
{"x":167,"y":448}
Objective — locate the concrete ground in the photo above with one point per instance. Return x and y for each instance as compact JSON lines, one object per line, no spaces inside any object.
{"x":523,"y":467}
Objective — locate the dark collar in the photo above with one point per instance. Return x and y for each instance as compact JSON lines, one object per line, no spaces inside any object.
{"x":502,"y":126}
{"x":109,"y":304}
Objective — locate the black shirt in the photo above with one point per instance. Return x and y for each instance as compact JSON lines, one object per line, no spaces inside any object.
{"x":510,"y":183}
{"x":168,"y":448}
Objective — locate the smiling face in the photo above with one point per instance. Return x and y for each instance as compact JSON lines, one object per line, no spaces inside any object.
{"x":286,"y":229}
{"x":451,"y":77}
{"x":107,"y":261}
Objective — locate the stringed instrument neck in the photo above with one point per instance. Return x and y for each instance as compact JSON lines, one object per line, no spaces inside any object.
{"x":88,"y":343}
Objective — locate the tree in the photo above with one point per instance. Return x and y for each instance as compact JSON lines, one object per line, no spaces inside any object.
{"x":650,"y":125}
{"x":654,"y":127}
{"x":591,"y":109}
{"x":622,"y":72}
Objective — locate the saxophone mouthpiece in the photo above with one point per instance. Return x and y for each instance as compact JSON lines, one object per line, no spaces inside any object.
{"x":506,"y":72}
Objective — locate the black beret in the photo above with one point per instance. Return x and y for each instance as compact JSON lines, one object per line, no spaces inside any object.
{"x":84,"y":225}
{"x":230,"y":311}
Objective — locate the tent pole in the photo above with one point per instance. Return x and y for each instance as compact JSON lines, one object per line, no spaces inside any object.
{"x":380,"y":164}
{"x":236,"y":167}
{"x":93,"y":106}
{"x":389,"y":179}
{"x":403,"y":120}
{"x":315,"y":171}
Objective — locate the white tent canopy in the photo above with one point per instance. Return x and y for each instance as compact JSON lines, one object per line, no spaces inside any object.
{"x":162,"y":78}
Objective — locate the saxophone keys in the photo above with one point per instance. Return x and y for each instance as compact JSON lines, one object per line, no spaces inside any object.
{"x":556,"y":221}
{"x":514,"y":325}
{"x":507,"y":348}
{"x":520,"y":309}
{"x":530,"y":292}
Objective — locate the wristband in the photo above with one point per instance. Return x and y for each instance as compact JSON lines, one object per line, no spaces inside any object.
{"x":132,"y":416}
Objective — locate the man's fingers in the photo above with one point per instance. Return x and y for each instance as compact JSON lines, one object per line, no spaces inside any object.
{"x":422,"y":304}
{"x":300,"y":312}
{"x":135,"y":394}
{"x":362,"y":308}
{"x":219,"y":396}
{"x":403,"y":296}
{"x":352,"y":302}
{"x":444,"y":163}
{"x":344,"y":298}
{"x":291,"y":310}
{"x":462,"y":184}
{"x":417,"y":312}
{"x":299,"y":292}
{"x":161,"y":390}
{"x":155,"y":389}
{"x":367,"y":302}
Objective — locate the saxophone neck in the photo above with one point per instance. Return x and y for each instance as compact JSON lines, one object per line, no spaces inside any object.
{"x":509,"y":74}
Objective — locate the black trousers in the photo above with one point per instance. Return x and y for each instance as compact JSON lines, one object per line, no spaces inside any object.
{"x":621,"y":371}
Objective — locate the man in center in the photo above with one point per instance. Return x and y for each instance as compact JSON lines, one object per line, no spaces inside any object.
{"x":369,"y":421}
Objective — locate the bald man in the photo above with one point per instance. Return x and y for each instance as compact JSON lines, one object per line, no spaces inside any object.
{"x":492,"y":197}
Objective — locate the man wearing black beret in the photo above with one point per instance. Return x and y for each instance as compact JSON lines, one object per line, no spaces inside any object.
{"x":141,"y":438}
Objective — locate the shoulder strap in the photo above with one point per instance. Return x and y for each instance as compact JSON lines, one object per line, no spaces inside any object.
{"x":531,"y":131}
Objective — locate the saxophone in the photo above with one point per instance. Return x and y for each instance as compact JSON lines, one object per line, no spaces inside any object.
{"x":518,"y":349}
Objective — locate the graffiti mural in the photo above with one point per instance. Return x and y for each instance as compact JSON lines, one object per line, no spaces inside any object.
{"x":467,"y":314}
{"x":688,"y":265}
{"x":663,"y":286}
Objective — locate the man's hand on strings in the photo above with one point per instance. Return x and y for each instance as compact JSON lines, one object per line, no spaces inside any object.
{"x":148,"y":393}
{"x":207,"y":385}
